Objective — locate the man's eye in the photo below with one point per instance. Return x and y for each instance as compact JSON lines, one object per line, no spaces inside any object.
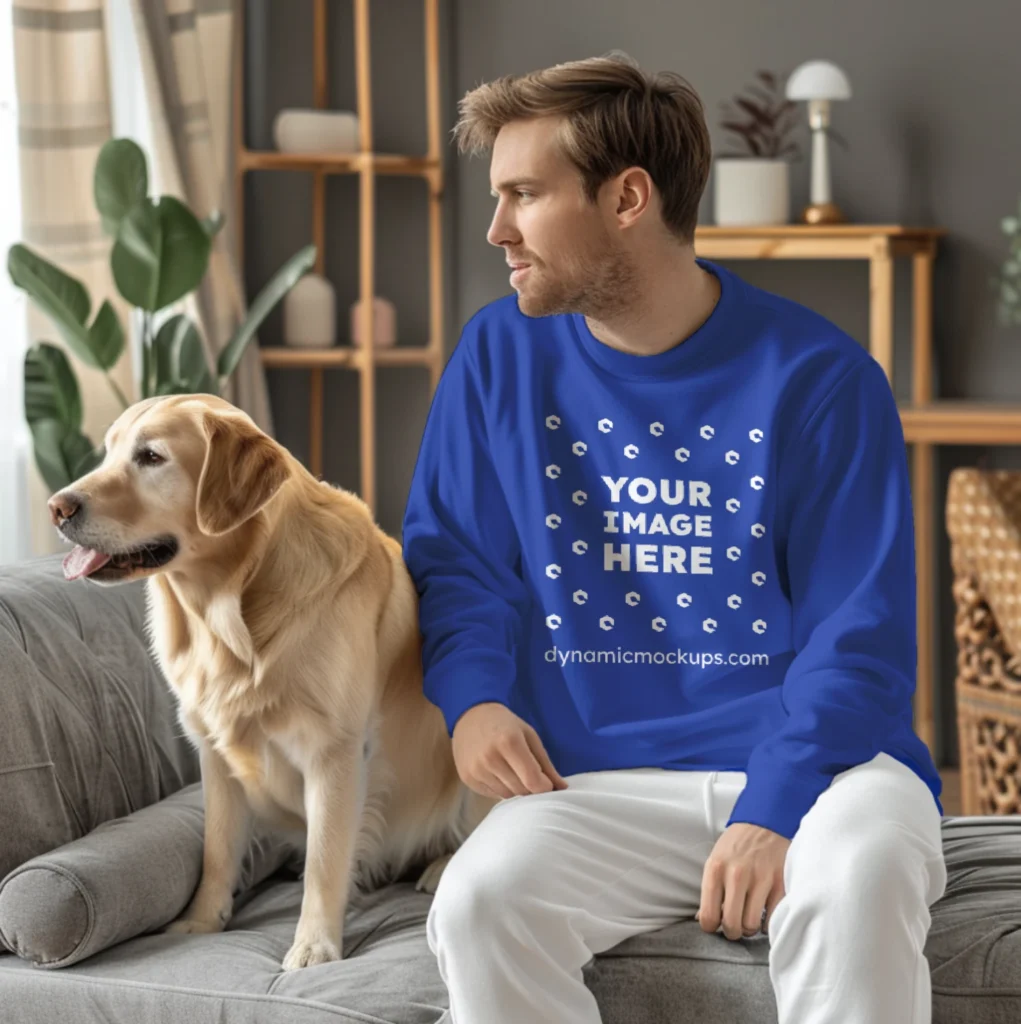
{"x":149,"y":457}
{"x":524,"y":195}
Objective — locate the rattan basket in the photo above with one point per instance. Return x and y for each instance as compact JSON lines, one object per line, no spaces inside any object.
{"x":983,"y":516}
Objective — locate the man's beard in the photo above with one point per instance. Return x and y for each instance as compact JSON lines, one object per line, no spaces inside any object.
{"x":601,"y":286}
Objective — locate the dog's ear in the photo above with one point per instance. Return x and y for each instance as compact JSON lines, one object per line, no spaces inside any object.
{"x":243,"y":469}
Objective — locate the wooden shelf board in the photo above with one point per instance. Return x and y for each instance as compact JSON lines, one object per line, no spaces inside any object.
{"x":344,"y":355}
{"x":814,"y":242}
{"x":953,"y":421}
{"x":819,"y":230}
{"x":336,"y":163}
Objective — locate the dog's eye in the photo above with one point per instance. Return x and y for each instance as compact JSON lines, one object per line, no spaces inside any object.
{"x":148,"y":457}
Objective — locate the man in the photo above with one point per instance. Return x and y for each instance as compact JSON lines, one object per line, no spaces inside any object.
{"x":661,"y":529}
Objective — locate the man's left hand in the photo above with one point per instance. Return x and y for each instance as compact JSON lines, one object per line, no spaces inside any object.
{"x":742,"y":881}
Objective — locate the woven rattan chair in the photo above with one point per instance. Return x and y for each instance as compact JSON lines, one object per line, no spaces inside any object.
{"x":983,"y":516}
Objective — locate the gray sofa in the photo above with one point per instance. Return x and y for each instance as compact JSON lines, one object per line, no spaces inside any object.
{"x":100,"y":837}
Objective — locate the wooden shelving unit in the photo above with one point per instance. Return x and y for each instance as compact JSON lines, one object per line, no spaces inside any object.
{"x":926,"y":421}
{"x":367,"y":164}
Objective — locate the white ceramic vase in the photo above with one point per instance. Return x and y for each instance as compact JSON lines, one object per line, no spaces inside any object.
{"x":310,"y":313}
{"x":316,"y":131}
{"x":751,"y":191}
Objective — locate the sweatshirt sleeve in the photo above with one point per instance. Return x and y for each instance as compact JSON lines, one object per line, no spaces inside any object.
{"x":851,"y":573}
{"x":461,"y":547}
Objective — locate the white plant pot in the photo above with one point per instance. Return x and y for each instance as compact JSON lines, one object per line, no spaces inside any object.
{"x":751,"y":191}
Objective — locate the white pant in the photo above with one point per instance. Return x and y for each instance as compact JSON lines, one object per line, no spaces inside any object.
{"x":549,"y":879}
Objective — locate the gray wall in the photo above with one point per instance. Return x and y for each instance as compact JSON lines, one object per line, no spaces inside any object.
{"x":932,"y":135}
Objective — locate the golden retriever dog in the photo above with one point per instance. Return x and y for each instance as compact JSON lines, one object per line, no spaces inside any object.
{"x":286,"y":622}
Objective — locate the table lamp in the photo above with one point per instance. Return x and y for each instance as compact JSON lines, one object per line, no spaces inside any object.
{"x":819,"y":82}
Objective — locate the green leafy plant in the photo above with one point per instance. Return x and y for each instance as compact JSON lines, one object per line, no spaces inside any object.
{"x":1008,"y":281}
{"x":160,"y":253}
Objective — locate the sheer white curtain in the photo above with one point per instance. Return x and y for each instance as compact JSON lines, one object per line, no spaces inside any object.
{"x":130,"y":110}
{"x":15,"y":450}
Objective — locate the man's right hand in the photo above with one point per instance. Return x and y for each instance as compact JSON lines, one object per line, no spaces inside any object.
{"x":498,"y":754}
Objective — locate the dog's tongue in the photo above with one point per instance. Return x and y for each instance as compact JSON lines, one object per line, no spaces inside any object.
{"x":82,"y":562}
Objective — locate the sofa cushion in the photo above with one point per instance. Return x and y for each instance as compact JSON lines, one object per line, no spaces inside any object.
{"x":88,"y":726}
{"x":130,"y":876}
{"x":677,"y":975}
{"x":388,"y":975}
{"x":973,"y":948}
{"x":974,"y":944}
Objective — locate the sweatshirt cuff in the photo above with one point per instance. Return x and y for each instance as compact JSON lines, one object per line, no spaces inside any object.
{"x":473,"y":684}
{"x":777,"y":799}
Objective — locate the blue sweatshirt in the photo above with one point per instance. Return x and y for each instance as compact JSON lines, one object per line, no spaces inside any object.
{"x":700,"y":559}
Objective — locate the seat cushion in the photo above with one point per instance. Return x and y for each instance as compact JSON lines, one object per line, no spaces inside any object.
{"x":677,"y":975}
{"x":974,"y":944}
{"x":388,"y":975}
{"x":973,"y":949}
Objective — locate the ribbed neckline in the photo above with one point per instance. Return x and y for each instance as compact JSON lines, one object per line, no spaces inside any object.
{"x":674,"y":361}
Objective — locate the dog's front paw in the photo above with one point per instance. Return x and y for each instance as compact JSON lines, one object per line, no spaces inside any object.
{"x":193,"y":926}
{"x":309,"y":953}
{"x":429,"y":880}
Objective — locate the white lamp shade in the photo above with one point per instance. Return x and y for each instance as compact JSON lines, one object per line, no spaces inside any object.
{"x":818,"y":80}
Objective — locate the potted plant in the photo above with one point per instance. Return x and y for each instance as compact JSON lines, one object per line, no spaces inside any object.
{"x":159,"y":255}
{"x":752,"y":180}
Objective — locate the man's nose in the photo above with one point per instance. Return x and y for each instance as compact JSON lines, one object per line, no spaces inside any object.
{"x":501,"y":231}
{"x":63,"y":506}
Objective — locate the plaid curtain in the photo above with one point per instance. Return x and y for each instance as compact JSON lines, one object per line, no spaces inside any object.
{"x":64,"y":117}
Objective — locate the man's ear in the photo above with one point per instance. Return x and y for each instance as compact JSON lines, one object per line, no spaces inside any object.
{"x":243,"y":469}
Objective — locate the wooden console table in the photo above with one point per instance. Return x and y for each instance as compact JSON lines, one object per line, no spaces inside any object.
{"x":880,"y":244}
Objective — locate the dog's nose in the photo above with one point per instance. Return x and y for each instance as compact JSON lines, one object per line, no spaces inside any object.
{"x":63,"y":506}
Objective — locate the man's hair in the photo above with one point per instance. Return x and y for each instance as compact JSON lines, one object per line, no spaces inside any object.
{"x":614,"y":116}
